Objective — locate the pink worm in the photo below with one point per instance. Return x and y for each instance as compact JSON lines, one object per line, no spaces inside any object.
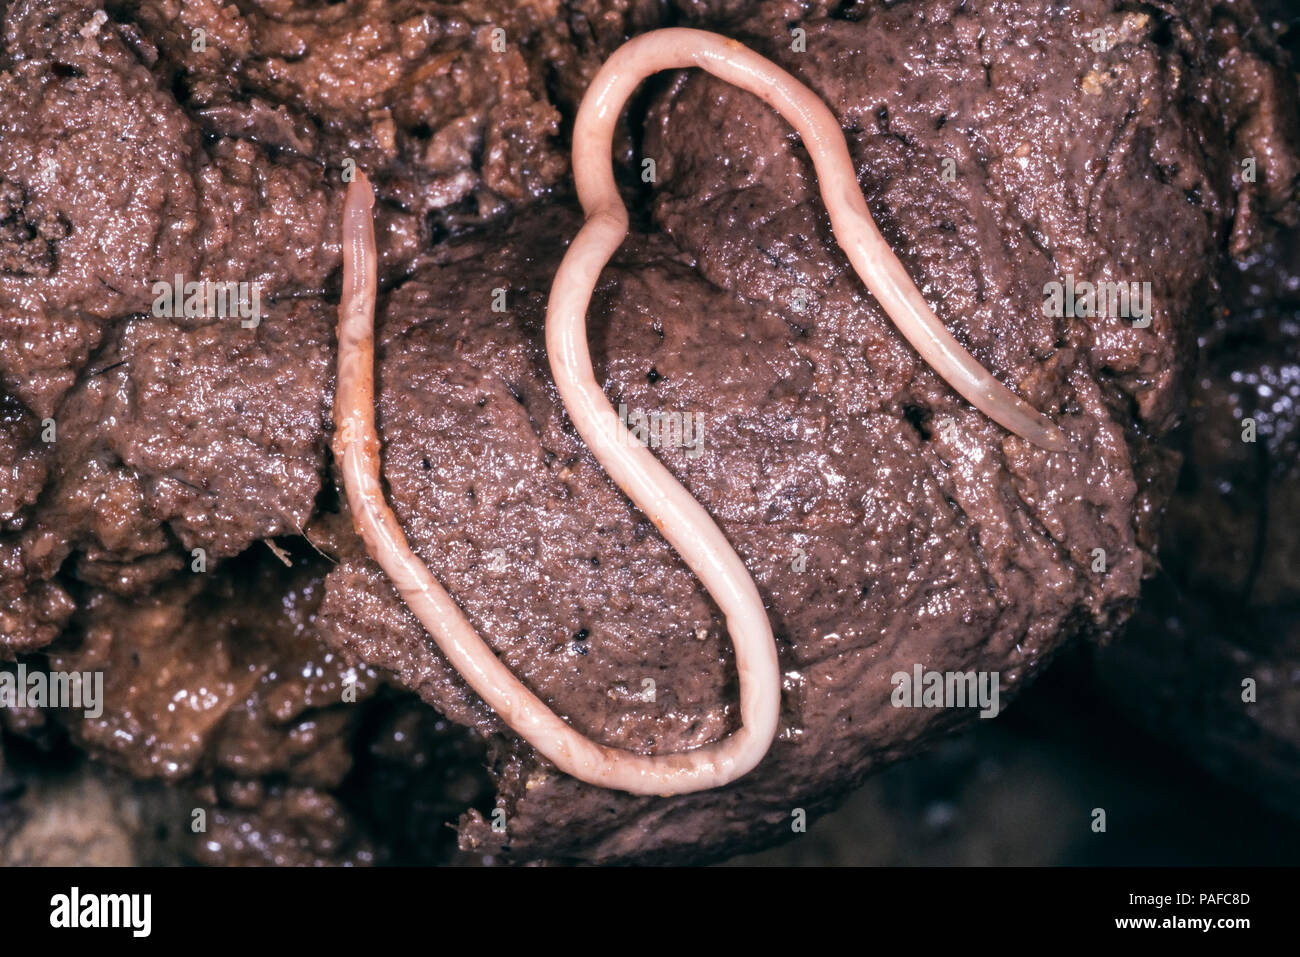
{"x":356,"y":447}
{"x":681,"y":520}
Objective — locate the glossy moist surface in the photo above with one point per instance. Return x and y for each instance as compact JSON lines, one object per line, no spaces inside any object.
{"x":886,"y":523}
{"x":1219,"y":635}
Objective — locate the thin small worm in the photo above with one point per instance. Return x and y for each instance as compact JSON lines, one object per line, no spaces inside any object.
{"x":682,"y":521}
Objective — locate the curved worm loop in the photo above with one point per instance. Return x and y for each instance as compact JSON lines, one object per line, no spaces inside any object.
{"x":356,"y":448}
{"x":682,"y":521}
{"x":851,"y":222}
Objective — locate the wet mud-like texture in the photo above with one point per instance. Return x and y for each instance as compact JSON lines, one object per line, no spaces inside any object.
{"x":1212,"y":661}
{"x":169,"y":512}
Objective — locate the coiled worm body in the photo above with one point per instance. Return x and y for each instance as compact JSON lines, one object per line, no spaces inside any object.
{"x":682,"y":521}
